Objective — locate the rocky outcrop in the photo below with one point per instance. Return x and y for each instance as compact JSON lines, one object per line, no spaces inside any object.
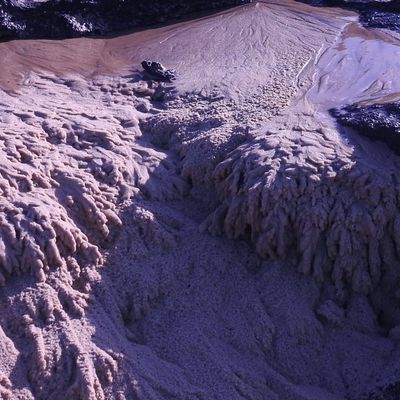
{"x":378,"y":122}
{"x":157,"y":71}
{"x":62,"y":19}
{"x":373,"y":13}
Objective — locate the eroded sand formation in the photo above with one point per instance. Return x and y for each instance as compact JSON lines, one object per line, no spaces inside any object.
{"x":300,"y":190}
{"x":64,"y":170}
{"x":113,"y":287}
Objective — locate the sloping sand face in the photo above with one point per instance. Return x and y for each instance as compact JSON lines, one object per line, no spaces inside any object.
{"x":350,"y":73}
{"x":111,"y":290}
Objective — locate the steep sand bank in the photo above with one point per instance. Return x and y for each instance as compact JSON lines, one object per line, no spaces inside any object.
{"x":113,"y":286}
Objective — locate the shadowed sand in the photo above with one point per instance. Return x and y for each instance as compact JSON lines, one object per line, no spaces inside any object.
{"x":218,"y":238}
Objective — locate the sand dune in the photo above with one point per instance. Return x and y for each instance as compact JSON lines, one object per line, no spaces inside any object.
{"x":113,"y":286}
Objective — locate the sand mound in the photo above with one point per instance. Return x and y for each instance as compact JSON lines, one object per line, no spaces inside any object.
{"x":310,"y":192}
{"x":111,"y":290}
{"x":64,"y":170}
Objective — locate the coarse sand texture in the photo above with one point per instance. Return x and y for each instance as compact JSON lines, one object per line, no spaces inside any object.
{"x":217,"y":237}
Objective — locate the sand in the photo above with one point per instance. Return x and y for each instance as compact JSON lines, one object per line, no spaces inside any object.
{"x":215,"y":238}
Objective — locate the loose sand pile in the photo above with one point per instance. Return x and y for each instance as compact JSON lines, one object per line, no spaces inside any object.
{"x":113,"y":287}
